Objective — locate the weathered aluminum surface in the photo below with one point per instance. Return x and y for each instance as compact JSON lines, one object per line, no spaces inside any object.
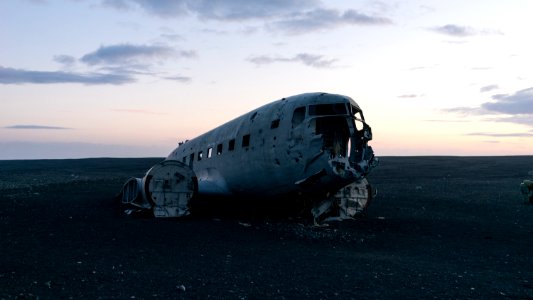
{"x":166,"y":189}
{"x":170,"y":186}
{"x":313,"y":144}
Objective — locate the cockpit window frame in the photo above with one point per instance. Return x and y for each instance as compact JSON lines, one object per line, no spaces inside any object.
{"x":327,"y":109}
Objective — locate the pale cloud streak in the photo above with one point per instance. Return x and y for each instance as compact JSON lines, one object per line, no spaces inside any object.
{"x":447,"y":121}
{"x":408,"y":96}
{"x":40,"y":127}
{"x":526,"y":119}
{"x":518,"y":134}
{"x":161,"y":8}
{"x":488,"y":88}
{"x":462,"y":31}
{"x":466,"y":111}
{"x":454,"y":30}
{"x":321,"y":19}
{"x":228,"y":10}
{"x":138,"y":111}
{"x":182,"y":79}
{"x":311,"y":60}
{"x":65,"y":60}
{"x":127,"y":54}
{"x":137,"y":59}
{"x":20,"y":76}
{"x":239,"y":10}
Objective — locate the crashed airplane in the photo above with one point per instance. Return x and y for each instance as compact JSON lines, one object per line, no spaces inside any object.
{"x":312,"y":145}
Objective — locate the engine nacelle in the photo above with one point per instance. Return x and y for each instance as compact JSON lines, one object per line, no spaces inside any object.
{"x":166,"y":189}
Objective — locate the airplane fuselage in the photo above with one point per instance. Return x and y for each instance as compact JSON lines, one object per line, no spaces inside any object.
{"x":309,"y":142}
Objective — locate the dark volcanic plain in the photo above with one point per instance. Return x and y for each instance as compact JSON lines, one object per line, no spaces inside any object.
{"x":440,"y":227}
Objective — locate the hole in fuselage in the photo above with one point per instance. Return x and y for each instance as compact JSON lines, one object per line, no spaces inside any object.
{"x":335,"y":134}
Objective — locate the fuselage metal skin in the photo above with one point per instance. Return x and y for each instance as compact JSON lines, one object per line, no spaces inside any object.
{"x":315,"y":143}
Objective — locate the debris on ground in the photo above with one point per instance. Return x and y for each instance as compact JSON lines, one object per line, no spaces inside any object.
{"x":526,"y":187}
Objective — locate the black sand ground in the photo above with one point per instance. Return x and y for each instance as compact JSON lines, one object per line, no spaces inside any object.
{"x":441,"y":227}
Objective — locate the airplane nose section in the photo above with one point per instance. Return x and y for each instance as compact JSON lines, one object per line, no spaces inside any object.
{"x":355,"y":170}
{"x":368,"y":162}
{"x":362,"y":159}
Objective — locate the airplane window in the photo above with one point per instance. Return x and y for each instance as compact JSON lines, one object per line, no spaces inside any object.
{"x":200,"y":155}
{"x":354,"y":109}
{"x":231,"y":145}
{"x":191,"y":159}
{"x":219,"y":149}
{"x":274,"y":124}
{"x":358,"y":121}
{"x":327,"y":109}
{"x":246,"y":140}
{"x":298,"y":116}
{"x":209,"y":152}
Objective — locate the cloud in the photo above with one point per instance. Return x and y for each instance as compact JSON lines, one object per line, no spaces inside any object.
{"x":66,"y":60}
{"x":117,"y":64}
{"x":37,"y":1}
{"x":238,"y":10}
{"x":520,"y":134}
{"x":128,"y":54}
{"x":160,"y":8}
{"x":408,"y":96}
{"x":526,"y":119}
{"x":514,"y":108}
{"x":51,"y":150}
{"x":315,"y":61}
{"x":488,"y":88}
{"x":320,"y":19}
{"x":419,"y":68}
{"x":172,"y":37}
{"x":232,"y":10}
{"x":520,"y":102}
{"x":462,"y":31}
{"x":36,"y":127}
{"x":454,"y":30}
{"x":183,"y":79}
{"x":139,"y":111}
{"x":447,"y":121}
{"x":289,"y":16}
{"x":19,"y":76}
{"x":117,"y":4}
{"x":466,"y":111}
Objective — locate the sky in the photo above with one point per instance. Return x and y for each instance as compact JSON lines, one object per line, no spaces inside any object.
{"x":132,"y":78}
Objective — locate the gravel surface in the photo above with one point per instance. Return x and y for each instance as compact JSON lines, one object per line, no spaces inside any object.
{"x":441,"y":227}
